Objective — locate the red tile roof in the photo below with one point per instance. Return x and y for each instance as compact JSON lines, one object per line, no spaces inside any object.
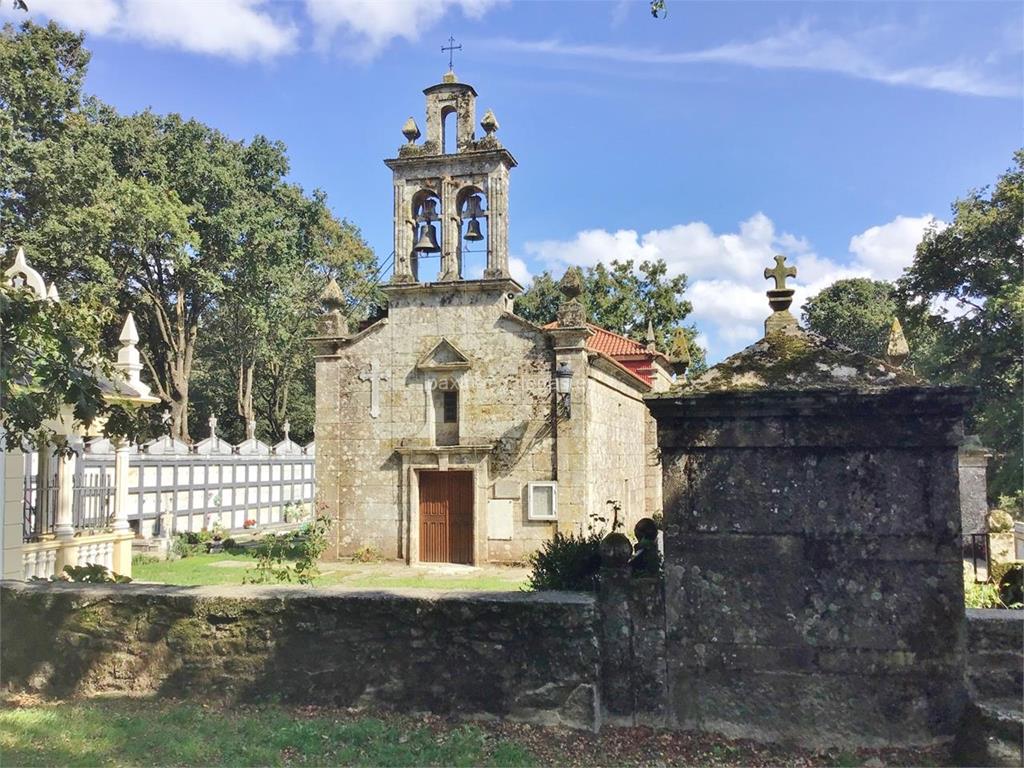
{"x":630,"y":354}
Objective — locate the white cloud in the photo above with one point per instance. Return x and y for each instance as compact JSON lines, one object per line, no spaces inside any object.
{"x":888,"y":249}
{"x":367,"y":26}
{"x":860,"y":55}
{"x":520,"y":272}
{"x":725,"y":270}
{"x":237,"y":29}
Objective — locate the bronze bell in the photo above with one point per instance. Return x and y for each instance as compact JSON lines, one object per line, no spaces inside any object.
{"x":473,"y":231}
{"x":473,"y":208}
{"x":427,"y":242}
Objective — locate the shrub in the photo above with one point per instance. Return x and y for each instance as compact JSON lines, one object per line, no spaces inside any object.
{"x":90,"y":573}
{"x":367,"y":555}
{"x":569,"y":562}
{"x":142,"y":559}
{"x":274,"y":553}
{"x":1011,"y":586}
{"x":190,"y":543}
{"x":229,"y":543}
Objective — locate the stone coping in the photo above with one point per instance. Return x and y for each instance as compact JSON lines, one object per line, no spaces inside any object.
{"x":918,"y":398}
{"x":268,"y":592}
{"x":996,"y":614}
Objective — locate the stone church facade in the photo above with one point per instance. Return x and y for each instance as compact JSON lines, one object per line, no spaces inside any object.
{"x":451,"y":429}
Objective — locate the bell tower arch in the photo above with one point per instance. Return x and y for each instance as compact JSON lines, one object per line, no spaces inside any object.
{"x":465,"y":218}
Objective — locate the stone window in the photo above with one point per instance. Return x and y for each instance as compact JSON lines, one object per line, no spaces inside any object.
{"x":450,"y":407}
{"x":542,"y":500}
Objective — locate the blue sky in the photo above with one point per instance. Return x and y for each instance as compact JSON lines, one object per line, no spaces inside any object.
{"x":727,"y":132}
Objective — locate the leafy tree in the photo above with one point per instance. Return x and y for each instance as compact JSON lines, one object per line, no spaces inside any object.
{"x":168,"y":217}
{"x":966,"y":283}
{"x":622,"y":298}
{"x":50,"y":361}
{"x":857,"y":311}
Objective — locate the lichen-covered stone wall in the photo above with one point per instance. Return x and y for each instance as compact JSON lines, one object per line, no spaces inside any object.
{"x":616,"y":450}
{"x":812,"y":560}
{"x":532,"y":657}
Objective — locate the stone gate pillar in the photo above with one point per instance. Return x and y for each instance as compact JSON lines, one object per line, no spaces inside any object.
{"x":814,"y":589}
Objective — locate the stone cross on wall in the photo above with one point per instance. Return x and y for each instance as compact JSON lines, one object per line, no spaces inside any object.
{"x":375,"y":376}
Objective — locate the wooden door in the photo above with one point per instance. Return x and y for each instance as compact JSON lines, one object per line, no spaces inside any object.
{"x":446,"y":517}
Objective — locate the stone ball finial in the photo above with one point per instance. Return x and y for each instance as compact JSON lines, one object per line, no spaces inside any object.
{"x":897,"y":350}
{"x":616,"y":549}
{"x":489,"y":122}
{"x":679,"y":353}
{"x":411,"y":131}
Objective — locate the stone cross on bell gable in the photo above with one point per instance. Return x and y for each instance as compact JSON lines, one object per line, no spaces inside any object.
{"x":375,"y":376}
{"x":780,"y":273}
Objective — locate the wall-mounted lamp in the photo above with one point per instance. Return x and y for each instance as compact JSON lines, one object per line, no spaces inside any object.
{"x":563,"y":386}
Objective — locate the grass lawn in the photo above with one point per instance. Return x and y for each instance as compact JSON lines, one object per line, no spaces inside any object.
{"x":231,"y":567}
{"x":131,"y":732}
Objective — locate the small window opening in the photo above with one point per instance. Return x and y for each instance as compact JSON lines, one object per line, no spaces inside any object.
{"x":450,"y":132}
{"x":451,"y":407}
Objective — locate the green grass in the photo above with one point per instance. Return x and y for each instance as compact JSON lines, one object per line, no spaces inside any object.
{"x":200,"y":570}
{"x":130,"y":733}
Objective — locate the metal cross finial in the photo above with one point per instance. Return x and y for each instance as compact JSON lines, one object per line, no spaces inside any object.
{"x":451,"y":48}
{"x":780,"y":273}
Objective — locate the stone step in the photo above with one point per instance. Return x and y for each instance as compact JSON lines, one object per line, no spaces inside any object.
{"x":1002,"y":680}
{"x":994,"y":630}
{"x":992,"y":733}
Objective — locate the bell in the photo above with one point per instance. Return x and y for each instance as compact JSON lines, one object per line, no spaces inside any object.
{"x":473,"y":231}
{"x":427,"y":242}
{"x":473,"y":209}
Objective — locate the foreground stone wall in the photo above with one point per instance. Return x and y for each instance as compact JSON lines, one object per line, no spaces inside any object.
{"x":812,"y":560}
{"x":532,"y":657}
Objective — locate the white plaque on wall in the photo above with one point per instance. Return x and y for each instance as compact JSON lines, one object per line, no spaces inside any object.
{"x":499,"y":519}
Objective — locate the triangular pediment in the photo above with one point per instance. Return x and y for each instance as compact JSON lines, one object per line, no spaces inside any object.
{"x":444,"y":356}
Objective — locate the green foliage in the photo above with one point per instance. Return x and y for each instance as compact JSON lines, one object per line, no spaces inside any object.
{"x":367,"y":555}
{"x":983,"y":595}
{"x":966,"y":283}
{"x":291,"y":557}
{"x":143,"y":559}
{"x":567,"y":562}
{"x":93,"y":573}
{"x":191,"y":543}
{"x":201,"y":236}
{"x":622,"y":298}
{"x":857,"y":312}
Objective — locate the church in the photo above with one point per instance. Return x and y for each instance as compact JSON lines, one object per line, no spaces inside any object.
{"x":451,"y":429}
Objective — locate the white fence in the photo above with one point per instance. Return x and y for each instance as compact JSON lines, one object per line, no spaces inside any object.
{"x":192,"y":487}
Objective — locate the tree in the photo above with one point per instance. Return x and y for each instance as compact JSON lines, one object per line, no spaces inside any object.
{"x":623,"y":298}
{"x":169,"y":218}
{"x":50,"y":361}
{"x":965,"y":281}
{"x":857,"y":311}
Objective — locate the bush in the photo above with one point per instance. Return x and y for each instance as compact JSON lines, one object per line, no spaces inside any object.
{"x":189,"y":543}
{"x":569,"y":562}
{"x":305,"y":546}
{"x":1011,"y":586}
{"x":141,"y":559}
{"x":367,"y":555}
{"x":90,"y":573}
{"x":230,"y":543}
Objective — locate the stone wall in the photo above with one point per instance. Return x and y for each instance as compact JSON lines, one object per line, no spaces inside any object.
{"x":812,"y":556}
{"x":505,"y":402}
{"x":532,"y":657}
{"x":616,"y":450}
{"x":974,"y":487}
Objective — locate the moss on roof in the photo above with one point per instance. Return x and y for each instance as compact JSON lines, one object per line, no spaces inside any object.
{"x":797,"y":360}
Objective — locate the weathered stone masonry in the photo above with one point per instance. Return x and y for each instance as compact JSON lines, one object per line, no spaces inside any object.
{"x":532,"y":657}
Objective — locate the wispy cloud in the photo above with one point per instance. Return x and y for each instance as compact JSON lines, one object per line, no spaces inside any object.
{"x":800,"y":47}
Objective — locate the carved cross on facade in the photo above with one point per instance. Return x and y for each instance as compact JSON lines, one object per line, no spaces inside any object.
{"x":375,"y":376}
{"x":780,"y":273}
